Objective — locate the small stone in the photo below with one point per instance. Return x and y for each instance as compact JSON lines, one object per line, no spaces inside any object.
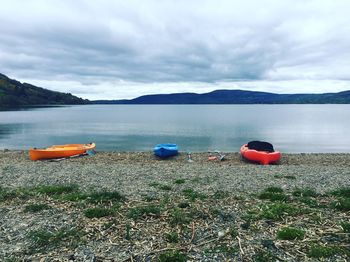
{"x":221,"y":234}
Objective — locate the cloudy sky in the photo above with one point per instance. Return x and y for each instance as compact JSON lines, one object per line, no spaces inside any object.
{"x":123,"y":49}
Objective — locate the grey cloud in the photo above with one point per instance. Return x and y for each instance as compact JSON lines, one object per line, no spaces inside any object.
{"x":175,"y":41}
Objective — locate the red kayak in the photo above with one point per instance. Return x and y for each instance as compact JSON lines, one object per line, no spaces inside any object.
{"x":263,"y":157}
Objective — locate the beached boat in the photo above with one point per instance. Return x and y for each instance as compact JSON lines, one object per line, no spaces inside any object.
{"x":263,"y":153}
{"x":60,"y":151}
{"x":165,"y":150}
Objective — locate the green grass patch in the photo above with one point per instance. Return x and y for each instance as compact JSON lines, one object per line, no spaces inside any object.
{"x":248,"y":217}
{"x":43,"y":239}
{"x":57,"y":189}
{"x":342,"y":192}
{"x":75,"y":196}
{"x":290,"y":233}
{"x":33,"y":208}
{"x":318,"y":251}
{"x":304,"y":192}
{"x":178,"y":217}
{"x":311,"y":202}
{"x":219,"y":194}
{"x":138,"y":212}
{"x":345,"y":226}
{"x":165,"y":187}
{"x":98,"y":212}
{"x":6,"y":194}
{"x":105,"y":197}
{"x":192,"y":195}
{"x":278,"y":211}
{"x":93,"y":197}
{"x":150,"y":198}
{"x":165,"y":200}
{"x":180,"y":181}
{"x":342,"y":204}
{"x":273,"y":194}
{"x":263,"y":256}
{"x":10,"y":194}
{"x":172,"y":256}
{"x":172,"y":237}
{"x":343,"y":201}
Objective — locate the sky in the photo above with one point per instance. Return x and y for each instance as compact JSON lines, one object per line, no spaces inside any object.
{"x":114,"y":49}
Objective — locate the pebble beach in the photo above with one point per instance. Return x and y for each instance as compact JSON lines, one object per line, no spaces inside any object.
{"x":148,"y":209}
{"x":132,"y":172}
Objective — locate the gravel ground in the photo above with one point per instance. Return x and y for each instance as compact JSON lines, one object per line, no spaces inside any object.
{"x":218,"y":218}
{"x":131,"y":173}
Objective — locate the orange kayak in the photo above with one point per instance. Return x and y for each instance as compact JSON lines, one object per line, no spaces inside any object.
{"x":60,"y":151}
{"x":262,"y":157}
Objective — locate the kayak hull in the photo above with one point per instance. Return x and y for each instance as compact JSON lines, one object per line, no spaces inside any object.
{"x":165,"y":150}
{"x":261,"y":157}
{"x":60,"y":151}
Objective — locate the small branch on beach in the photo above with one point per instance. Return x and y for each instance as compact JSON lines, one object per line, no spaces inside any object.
{"x":193,"y":233}
{"x":241,"y":252}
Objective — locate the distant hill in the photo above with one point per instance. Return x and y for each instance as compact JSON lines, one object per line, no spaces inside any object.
{"x":236,"y":97}
{"x":15,"y":94}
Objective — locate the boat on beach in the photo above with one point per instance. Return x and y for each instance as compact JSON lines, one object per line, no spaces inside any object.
{"x":165,"y":150}
{"x":261,"y":152}
{"x":60,"y":151}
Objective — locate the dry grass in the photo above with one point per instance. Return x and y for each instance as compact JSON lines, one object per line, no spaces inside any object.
{"x":218,"y":226}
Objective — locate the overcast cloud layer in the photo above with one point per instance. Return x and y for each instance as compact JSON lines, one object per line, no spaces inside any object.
{"x":124,"y":49}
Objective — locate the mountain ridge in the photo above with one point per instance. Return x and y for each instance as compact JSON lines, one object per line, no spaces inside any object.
{"x":224,"y":96}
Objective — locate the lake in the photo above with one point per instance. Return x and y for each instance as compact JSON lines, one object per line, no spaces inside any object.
{"x":291,"y":128}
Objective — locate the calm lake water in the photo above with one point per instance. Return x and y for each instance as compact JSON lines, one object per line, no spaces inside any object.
{"x":291,"y":128}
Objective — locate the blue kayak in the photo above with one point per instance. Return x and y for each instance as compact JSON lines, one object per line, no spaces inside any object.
{"x":165,"y":150}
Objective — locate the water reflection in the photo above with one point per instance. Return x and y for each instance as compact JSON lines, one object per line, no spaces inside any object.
{"x":291,"y":128}
{"x":6,"y":130}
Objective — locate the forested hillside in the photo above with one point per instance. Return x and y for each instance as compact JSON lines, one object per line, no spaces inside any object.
{"x":15,"y":94}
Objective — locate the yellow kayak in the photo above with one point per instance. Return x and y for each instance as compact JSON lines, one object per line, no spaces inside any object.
{"x":60,"y":151}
